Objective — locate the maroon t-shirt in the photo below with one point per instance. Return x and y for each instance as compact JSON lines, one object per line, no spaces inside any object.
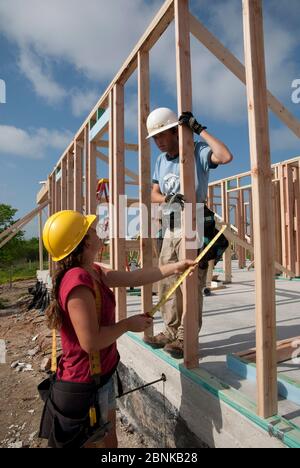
{"x":74,"y":364}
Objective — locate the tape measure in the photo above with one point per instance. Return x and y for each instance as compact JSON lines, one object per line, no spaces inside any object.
{"x":181,"y":279}
{"x":53,"y":355}
{"x":94,"y":358}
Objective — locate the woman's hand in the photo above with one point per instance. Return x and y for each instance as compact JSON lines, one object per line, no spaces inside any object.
{"x":181,"y":267}
{"x":138,"y":323}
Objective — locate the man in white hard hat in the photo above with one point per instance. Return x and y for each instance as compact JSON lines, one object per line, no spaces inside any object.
{"x":162,"y":125}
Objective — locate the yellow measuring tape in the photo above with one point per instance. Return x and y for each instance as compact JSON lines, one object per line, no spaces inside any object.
{"x":95,"y":365}
{"x":53,"y":355}
{"x":180,"y":280}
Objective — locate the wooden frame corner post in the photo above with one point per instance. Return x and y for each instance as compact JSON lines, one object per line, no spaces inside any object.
{"x":264,"y":238}
{"x":187,"y":177}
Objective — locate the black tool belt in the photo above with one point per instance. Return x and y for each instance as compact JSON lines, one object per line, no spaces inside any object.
{"x":220,"y":246}
{"x":217,"y":250}
{"x":65,"y":419}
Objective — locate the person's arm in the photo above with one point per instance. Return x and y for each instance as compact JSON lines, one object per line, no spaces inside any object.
{"x":82,"y":311}
{"x":144,"y":276}
{"x":156,"y":195}
{"x":220,"y":152}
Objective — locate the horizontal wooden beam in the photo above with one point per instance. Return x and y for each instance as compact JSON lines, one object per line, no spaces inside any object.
{"x":238,"y":189}
{"x":285,"y":350}
{"x":128,"y":146}
{"x":293,"y":162}
{"x":128,"y":172}
{"x":131,"y":202}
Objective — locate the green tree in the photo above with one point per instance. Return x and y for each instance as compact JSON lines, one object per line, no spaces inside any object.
{"x":12,"y":250}
{"x":31,"y":249}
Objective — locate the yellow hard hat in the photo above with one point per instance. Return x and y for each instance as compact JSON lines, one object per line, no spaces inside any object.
{"x":64,"y":231}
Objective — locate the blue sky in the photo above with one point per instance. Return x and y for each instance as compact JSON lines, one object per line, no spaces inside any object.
{"x":58,"y":57}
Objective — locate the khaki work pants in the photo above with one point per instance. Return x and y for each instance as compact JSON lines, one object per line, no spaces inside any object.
{"x":172,"y":311}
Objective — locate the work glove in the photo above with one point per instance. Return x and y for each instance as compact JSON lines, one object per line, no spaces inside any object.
{"x":173,"y":198}
{"x":189,"y":120}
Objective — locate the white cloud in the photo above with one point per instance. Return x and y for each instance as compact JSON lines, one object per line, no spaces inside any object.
{"x":33,"y":145}
{"x":282,"y":139}
{"x":44,"y":85}
{"x":83,"y":101}
{"x":95,"y":37}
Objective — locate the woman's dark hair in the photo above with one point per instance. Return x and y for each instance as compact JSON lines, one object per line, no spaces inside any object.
{"x":54,"y":312}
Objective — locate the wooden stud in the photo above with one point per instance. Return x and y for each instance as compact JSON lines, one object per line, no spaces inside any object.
{"x":290,"y":217}
{"x":70,"y":180}
{"x":78,"y":196}
{"x":251,"y":223}
{"x":41,"y":247}
{"x":112,"y":237}
{"x":50,"y":213}
{"x":92,"y":179}
{"x":210,"y":197}
{"x":57,"y":195}
{"x":53,"y":264}
{"x":145,"y":178}
{"x":187,"y":178}
{"x":262,"y":208}
{"x":86,"y":172}
{"x":297,"y":218}
{"x":283,"y":205}
{"x":63,"y":194}
{"x":119,"y":190}
{"x":225,"y":215}
{"x":278,"y":221}
{"x":241,"y":229}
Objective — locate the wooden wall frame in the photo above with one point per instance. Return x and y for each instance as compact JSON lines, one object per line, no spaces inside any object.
{"x":78,"y":163}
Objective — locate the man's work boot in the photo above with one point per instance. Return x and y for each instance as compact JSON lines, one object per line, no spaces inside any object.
{"x":175,"y":349}
{"x":157,"y":341}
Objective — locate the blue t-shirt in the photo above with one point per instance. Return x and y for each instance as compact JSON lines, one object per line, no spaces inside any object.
{"x":167,"y":172}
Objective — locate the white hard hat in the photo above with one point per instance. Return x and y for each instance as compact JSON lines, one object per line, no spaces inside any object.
{"x":160,"y":120}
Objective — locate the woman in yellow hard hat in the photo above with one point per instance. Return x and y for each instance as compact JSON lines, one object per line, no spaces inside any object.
{"x":83,"y":309}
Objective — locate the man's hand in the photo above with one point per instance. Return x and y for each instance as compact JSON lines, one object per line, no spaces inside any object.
{"x":173,"y":198}
{"x":189,"y":120}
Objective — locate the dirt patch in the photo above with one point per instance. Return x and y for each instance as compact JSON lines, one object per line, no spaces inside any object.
{"x":28,"y":343}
